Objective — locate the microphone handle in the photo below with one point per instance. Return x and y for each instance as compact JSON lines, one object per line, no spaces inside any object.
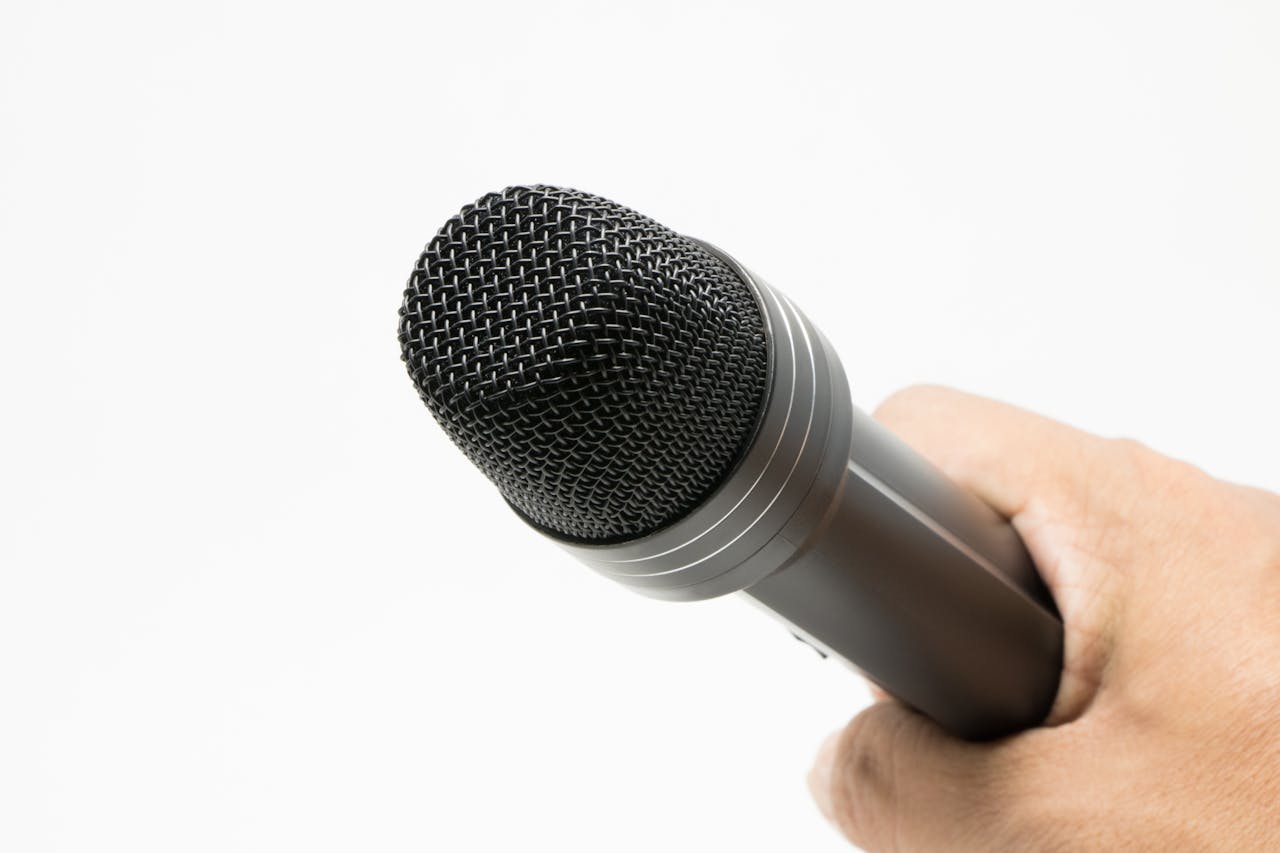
{"x":926,"y":590}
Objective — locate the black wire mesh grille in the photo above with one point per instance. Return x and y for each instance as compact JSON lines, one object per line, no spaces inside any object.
{"x":603,"y":371}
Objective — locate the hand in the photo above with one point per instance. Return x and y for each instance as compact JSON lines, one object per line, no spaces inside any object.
{"x":1165,"y":734}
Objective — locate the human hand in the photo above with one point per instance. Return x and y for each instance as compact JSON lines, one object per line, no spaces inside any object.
{"x":1165,"y":733}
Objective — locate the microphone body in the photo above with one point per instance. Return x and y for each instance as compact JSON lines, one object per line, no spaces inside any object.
{"x":675,"y":423}
{"x":865,"y":550}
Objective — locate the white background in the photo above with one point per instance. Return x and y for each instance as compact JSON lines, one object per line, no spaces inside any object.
{"x":252,"y":599}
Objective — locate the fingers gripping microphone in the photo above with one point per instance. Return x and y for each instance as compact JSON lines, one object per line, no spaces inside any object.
{"x":676,"y":424}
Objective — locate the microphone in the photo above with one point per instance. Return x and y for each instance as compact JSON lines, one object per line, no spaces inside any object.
{"x":675,"y":423}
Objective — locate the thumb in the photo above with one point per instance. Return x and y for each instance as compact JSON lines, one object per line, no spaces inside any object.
{"x":893,"y":780}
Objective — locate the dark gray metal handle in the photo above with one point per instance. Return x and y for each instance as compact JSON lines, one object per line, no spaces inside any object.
{"x":926,"y":590}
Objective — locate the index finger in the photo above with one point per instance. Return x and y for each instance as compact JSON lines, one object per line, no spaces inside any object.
{"x":1006,"y":455}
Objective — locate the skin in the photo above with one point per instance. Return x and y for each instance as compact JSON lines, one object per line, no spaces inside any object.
{"x":1165,"y":734}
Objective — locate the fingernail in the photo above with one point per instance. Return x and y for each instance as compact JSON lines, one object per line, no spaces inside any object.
{"x":820,"y":775}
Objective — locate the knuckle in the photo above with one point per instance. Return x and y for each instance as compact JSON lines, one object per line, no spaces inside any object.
{"x":1131,"y":451}
{"x":1154,"y":472}
{"x":1141,"y":459}
{"x":864,"y":774}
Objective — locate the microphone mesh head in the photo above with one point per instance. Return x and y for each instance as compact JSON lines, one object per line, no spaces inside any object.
{"x":603,"y":371}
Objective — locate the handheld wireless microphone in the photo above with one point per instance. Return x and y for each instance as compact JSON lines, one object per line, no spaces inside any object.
{"x":676,"y":424}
